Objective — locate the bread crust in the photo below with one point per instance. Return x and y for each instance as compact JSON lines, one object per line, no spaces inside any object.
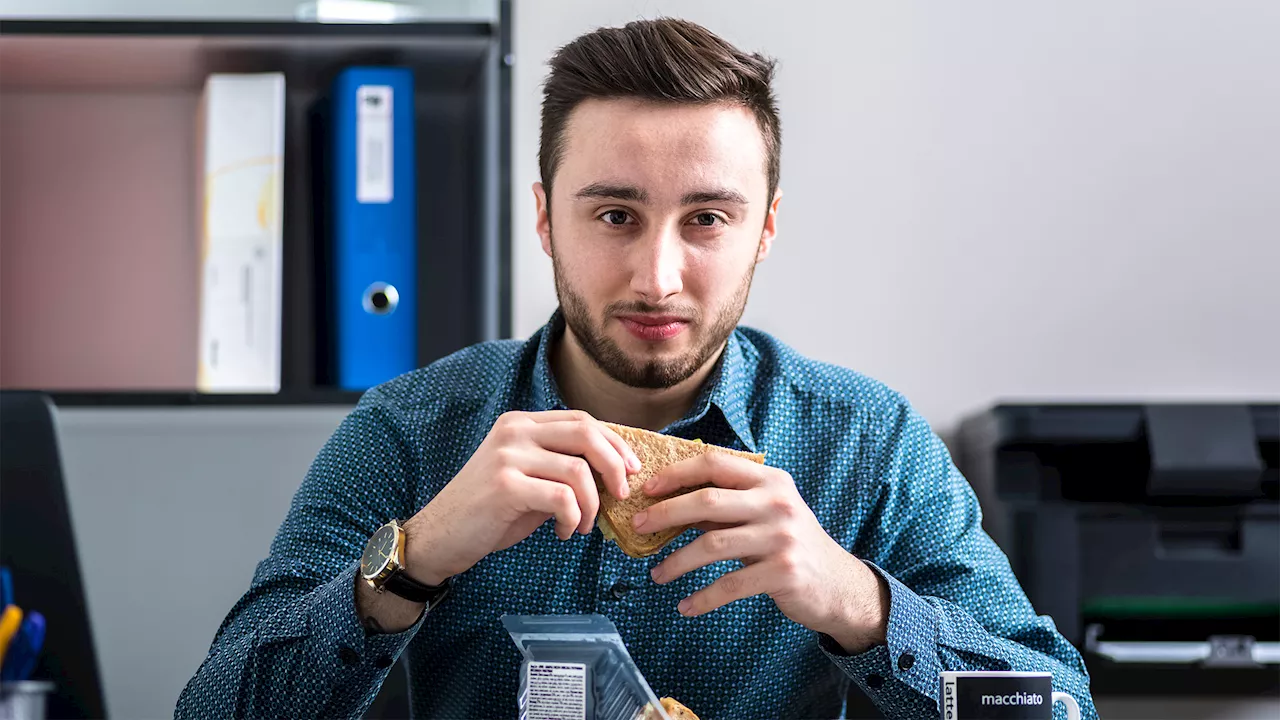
{"x":655,"y":451}
{"x":677,"y":711}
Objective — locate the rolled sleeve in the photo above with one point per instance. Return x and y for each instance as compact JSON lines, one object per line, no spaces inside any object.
{"x":338,"y":633}
{"x":352,"y":656}
{"x":907,"y":661}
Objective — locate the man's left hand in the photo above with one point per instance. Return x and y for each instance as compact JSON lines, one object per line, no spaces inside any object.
{"x":755,"y":514}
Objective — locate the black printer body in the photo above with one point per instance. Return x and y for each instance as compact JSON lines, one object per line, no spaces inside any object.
{"x":1150,"y":534}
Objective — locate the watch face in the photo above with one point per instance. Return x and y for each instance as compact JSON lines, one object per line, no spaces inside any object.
{"x":378,"y":552}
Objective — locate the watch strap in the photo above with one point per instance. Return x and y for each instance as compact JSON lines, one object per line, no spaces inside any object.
{"x":409,"y":589}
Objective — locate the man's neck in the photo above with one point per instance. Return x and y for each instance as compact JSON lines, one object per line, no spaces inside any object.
{"x":585,"y":386}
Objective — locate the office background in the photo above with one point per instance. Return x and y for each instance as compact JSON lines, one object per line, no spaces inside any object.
{"x":983,"y":200}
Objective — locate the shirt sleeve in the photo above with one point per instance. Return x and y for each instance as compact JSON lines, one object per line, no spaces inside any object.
{"x":293,"y":645}
{"x":955,"y":603}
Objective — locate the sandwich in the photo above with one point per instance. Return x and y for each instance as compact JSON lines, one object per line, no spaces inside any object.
{"x":655,"y":451}
{"x":673,"y":708}
{"x":677,"y":711}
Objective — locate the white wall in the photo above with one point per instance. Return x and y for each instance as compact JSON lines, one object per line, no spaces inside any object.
{"x":991,"y":200}
{"x":173,"y":508}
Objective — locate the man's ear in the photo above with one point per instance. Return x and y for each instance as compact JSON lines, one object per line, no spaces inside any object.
{"x":770,"y":227}
{"x":543,"y":223}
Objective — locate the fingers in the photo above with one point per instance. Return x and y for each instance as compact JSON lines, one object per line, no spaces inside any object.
{"x":708,"y":504}
{"x":743,"y":583}
{"x":549,"y":498}
{"x":550,"y":416}
{"x":707,"y":527}
{"x":570,"y":470}
{"x":591,"y":440}
{"x":735,"y":543}
{"x":629,"y":455}
{"x":720,"y":469}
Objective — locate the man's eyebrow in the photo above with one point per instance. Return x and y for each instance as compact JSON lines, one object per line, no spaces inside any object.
{"x":713,"y":195}
{"x":626,"y":193}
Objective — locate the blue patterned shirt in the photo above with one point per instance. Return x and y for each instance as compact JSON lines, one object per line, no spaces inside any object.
{"x":878,"y":479}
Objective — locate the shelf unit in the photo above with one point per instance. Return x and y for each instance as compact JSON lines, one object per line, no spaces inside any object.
{"x":98,"y":243}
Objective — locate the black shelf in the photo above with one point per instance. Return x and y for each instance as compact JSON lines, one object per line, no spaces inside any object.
{"x":178,"y":398}
{"x":221,"y":26}
{"x":464,"y":128}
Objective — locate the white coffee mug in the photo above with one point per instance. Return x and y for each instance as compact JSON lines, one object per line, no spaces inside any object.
{"x":994,"y":695}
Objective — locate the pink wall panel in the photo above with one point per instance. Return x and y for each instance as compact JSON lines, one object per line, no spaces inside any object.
{"x":98,"y":262}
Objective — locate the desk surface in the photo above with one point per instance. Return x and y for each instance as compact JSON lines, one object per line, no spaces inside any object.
{"x":1150,"y":708}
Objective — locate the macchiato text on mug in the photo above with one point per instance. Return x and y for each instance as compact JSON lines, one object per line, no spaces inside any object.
{"x":992,"y":695}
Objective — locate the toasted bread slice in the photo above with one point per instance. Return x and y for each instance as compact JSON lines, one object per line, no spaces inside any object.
{"x":671,"y":706}
{"x":676,"y":710}
{"x":656,"y":451}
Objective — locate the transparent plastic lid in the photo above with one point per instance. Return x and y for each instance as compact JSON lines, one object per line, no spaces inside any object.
{"x":576,"y":666}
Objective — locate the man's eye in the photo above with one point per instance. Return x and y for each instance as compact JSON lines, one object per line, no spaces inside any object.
{"x":706,"y":219}
{"x":615,"y":217}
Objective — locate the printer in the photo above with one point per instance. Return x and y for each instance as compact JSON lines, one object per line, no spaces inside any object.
{"x":1150,"y":533}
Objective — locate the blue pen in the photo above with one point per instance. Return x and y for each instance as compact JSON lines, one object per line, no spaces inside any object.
{"x":24,"y":649}
{"x":6,"y":587}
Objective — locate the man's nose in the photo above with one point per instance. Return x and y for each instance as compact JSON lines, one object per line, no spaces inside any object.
{"x":658,"y":265}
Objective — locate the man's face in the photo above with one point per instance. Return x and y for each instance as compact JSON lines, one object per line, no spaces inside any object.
{"x":659,"y":214}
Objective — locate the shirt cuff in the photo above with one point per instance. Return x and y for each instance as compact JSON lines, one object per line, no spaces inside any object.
{"x":338,"y":635}
{"x":909,"y":656}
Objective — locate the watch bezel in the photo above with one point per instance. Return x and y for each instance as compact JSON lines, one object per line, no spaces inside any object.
{"x":394,"y":561}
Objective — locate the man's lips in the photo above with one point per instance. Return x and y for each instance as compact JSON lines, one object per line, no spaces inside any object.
{"x":654,"y":328}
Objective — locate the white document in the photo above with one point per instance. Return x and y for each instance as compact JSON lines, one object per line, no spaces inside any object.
{"x":556,"y":691}
{"x":240,"y":196}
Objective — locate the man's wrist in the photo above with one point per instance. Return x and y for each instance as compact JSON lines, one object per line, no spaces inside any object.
{"x":864,"y":620}
{"x":384,"y":613}
{"x":419,"y":560}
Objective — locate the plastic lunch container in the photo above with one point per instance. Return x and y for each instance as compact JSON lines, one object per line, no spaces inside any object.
{"x":576,"y":666}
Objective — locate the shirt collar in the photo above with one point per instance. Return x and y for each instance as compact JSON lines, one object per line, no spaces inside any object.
{"x":728,"y":389}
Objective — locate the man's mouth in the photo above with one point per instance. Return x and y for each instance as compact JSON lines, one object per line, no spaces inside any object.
{"x":654,"y":328}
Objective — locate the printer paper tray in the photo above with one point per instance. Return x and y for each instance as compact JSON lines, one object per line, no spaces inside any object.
{"x":1221,"y":651}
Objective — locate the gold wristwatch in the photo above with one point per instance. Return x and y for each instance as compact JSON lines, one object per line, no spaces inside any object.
{"x":382,"y":566}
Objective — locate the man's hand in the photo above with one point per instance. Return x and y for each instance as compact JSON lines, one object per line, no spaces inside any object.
{"x":754,"y":513}
{"x":530,"y":468}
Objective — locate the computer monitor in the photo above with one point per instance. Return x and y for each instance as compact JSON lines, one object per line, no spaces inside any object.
{"x":38,"y":545}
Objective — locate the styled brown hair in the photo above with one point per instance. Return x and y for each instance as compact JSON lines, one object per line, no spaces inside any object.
{"x":664,"y":60}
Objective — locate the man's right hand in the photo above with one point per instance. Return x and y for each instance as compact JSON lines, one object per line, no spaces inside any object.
{"x":530,"y":468}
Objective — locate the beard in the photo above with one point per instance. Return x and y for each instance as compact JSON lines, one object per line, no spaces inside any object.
{"x":649,"y":373}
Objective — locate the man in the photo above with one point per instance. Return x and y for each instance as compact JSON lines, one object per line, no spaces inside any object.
{"x":854,"y":555}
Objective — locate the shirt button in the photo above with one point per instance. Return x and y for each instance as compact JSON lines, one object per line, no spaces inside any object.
{"x":875,"y":682}
{"x":906,"y":661}
{"x":348,"y":656}
{"x":382,"y":663}
{"x":619,"y":590}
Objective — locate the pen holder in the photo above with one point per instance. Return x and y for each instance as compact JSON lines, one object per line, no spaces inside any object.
{"x":24,"y":700}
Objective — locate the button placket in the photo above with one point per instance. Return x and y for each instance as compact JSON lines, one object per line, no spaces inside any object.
{"x":613,"y":583}
{"x":619,"y":590}
{"x":906,"y":661}
{"x":348,"y":656}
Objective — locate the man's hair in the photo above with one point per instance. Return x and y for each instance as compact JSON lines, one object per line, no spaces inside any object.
{"x":664,"y":60}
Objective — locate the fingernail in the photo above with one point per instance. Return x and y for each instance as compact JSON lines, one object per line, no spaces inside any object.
{"x":650,"y":486}
{"x":639,"y":519}
{"x":633,"y":463}
{"x":685,"y":607}
{"x":657,"y":574}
